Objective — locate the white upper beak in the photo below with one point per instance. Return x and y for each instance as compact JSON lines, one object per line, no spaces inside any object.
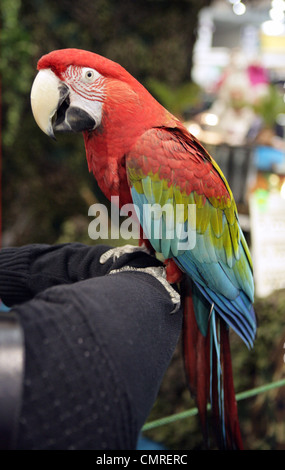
{"x":45,"y":96}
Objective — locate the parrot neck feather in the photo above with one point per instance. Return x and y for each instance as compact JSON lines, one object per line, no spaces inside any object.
{"x":127,"y":113}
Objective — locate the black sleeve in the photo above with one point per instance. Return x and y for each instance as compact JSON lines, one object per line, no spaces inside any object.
{"x":96,"y":351}
{"x":27,"y":270}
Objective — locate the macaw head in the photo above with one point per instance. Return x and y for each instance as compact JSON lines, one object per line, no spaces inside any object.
{"x":77,"y":90}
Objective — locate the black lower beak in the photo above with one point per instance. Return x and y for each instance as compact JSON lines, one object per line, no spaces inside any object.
{"x":71,"y":118}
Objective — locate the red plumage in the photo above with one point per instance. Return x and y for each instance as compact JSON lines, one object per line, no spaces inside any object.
{"x":190,"y":169}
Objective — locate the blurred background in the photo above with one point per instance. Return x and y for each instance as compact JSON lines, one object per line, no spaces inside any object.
{"x":220,"y":67}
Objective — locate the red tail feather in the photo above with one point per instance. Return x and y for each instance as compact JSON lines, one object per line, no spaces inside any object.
{"x":233,"y":433}
{"x":196,"y":360}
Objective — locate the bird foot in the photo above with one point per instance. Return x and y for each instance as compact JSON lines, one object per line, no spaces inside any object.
{"x":159,"y":272}
{"x":119,"y":251}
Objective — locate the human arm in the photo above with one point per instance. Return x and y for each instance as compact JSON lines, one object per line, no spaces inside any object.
{"x":96,"y":350}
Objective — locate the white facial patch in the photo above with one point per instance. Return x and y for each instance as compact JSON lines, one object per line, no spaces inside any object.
{"x":87,"y":90}
{"x":86,"y":82}
{"x":93,"y":108}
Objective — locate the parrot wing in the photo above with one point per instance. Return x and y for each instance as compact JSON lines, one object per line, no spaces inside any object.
{"x":199,"y":227}
{"x":187,"y":212}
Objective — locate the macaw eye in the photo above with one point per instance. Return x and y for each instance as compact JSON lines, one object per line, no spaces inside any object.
{"x":88,"y":75}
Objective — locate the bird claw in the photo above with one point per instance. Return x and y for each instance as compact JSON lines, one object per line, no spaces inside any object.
{"x":160,"y":274}
{"x":117,"y":252}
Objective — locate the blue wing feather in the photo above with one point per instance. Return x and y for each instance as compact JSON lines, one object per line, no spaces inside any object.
{"x":216,"y":280}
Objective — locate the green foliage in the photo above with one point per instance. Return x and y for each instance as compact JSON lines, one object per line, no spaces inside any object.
{"x":175,"y":99}
{"x":269,"y":106}
{"x":263,"y":416}
{"x":16,"y":53}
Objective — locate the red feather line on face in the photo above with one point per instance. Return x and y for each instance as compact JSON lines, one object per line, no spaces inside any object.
{"x":91,"y":91}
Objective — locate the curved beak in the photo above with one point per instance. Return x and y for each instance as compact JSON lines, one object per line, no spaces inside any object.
{"x":52,"y":109}
{"x":45,"y":97}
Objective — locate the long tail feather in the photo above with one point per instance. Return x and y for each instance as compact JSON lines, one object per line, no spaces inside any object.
{"x":196,"y":360}
{"x":224,"y":402}
{"x":208,"y":368}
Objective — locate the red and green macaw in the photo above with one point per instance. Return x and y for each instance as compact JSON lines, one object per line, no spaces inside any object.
{"x":140,"y":152}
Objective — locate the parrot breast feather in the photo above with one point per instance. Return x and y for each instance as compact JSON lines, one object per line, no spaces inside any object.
{"x":188,"y":213}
